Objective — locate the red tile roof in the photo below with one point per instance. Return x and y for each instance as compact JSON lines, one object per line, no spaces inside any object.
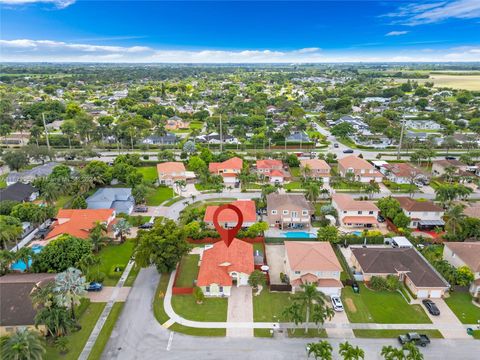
{"x":170,"y":167}
{"x":78,"y":222}
{"x":311,"y":256}
{"x":348,"y":203}
{"x":277,"y":173}
{"x":219,"y":261}
{"x":247,"y":207}
{"x":234,"y":163}
{"x":269,"y":164}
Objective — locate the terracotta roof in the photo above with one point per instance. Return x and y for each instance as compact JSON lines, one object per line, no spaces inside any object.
{"x":269,"y":164}
{"x":468,"y":252}
{"x":234,"y":163}
{"x":315,"y":164}
{"x":78,"y":222}
{"x":220,"y":260}
{"x":384,"y":260}
{"x":472,"y":211}
{"x":353,"y":161}
{"x":277,"y":173}
{"x":445,"y":163}
{"x":311,"y":256}
{"x":359,"y":220}
{"x":247,"y":207}
{"x":170,"y":167}
{"x":404,"y":170}
{"x":410,"y":204}
{"x":347,"y":202}
{"x":275,"y":200}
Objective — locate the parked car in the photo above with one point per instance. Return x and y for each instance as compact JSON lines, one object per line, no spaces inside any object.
{"x":337,"y":303}
{"x":415,"y":338}
{"x":335,"y":145}
{"x":42,"y":233}
{"x":147,"y":225}
{"x":94,"y":286}
{"x":450,"y":158}
{"x":431,"y":307}
{"x":348,"y":151}
{"x":140,"y":208}
{"x":380,"y":219}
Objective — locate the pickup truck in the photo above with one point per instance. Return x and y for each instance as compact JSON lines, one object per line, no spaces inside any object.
{"x":415,"y":338}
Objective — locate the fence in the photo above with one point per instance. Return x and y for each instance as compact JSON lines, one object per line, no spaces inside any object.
{"x":210,"y":240}
{"x":180,"y":290}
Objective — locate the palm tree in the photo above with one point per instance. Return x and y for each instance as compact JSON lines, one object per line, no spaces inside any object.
{"x":10,"y":230}
{"x":293,"y":313}
{"x":43,"y":295}
{"x":56,"y":319}
{"x":122,"y":229}
{"x":307,"y":297}
{"x":70,"y":287}
{"x":349,"y":352}
{"x":23,"y":345}
{"x":372,"y":188}
{"x":6,"y":259}
{"x":392,"y":353}
{"x":321,"y":350}
{"x":453,"y":217}
{"x":26,"y":255}
{"x":321,"y":313}
{"x":97,"y":236}
{"x":312,"y":191}
{"x":413,"y":352}
{"x":51,"y":192}
{"x":306,"y":171}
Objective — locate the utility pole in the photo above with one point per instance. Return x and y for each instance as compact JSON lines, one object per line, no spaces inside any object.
{"x":401,"y":139}
{"x":46,"y":132}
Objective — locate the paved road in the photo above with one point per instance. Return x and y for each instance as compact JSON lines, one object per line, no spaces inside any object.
{"x":138,"y":335}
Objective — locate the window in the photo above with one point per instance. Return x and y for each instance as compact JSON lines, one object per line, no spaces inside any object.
{"x":359,"y":212}
{"x":297,"y":272}
{"x":220,"y":288}
{"x":285,"y":212}
{"x":344,"y":212}
{"x":274,"y":212}
{"x":370,"y":212}
{"x":207,"y":289}
{"x":304,"y":212}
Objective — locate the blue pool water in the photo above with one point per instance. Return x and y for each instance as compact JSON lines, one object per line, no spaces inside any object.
{"x":20,"y":265}
{"x":358,"y":233}
{"x":298,"y":234}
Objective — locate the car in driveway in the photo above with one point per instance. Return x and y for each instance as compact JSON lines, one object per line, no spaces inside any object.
{"x":431,"y":307}
{"x":140,"y":208}
{"x":94,"y":286}
{"x":337,"y":303}
{"x":335,"y":145}
{"x":147,"y":225}
{"x":348,"y":151}
{"x":380,"y":219}
{"x":450,"y":158}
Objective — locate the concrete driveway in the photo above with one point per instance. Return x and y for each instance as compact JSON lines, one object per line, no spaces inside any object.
{"x":240,"y":309}
{"x":275,"y":258}
{"x":339,"y":333}
{"x":106,"y":293}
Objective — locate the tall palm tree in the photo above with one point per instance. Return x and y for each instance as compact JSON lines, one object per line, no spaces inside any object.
{"x":413,"y":352}
{"x":122,"y":229}
{"x":43,"y":295}
{"x":70,"y":287}
{"x":22,"y":345}
{"x":97,"y":236}
{"x":349,"y":352}
{"x":10,"y":230}
{"x":320,"y":313}
{"x":392,"y":353}
{"x":372,"y":188}
{"x":307,"y":297}
{"x":25,"y":255}
{"x":321,"y":350}
{"x":6,"y":259}
{"x":312,"y":191}
{"x":56,"y":319}
{"x":293,"y":313}
{"x":453,"y":217}
{"x":51,"y":192}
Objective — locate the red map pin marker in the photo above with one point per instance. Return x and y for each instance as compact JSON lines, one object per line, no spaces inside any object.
{"x":228,"y":235}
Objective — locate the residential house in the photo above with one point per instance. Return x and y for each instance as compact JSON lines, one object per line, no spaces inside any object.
{"x":19,"y":192}
{"x":28,"y":176}
{"x":79,"y":222}
{"x":119,"y":199}
{"x":473,"y":211}
{"x":169,"y":172}
{"x":176,"y":123}
{"x":225,"y":266}
{"x":215,"y":138}
{"x":273,"y":170}
{"x":354,"y":213}
{"x":228,"y":218}
{"x":361,"y":169}
{"x":357,"y":123}
{"x":466,"y":254}
{"x":316,"y":168}
{"x":403,"y":173}
{"x":424,"y":215}
{"x":405,"y":263}
{"x":439,"y":166}
{"x":16,"y":308}
{"x":167,"y":139}
{"x":228,"y":169}
{"x":315,"y":263}
{"x":298,"y":137}
{"x":289,"y":211}
{"x":423,"y":125}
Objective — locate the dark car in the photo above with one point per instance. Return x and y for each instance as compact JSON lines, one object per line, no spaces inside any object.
{"x":431,"y":307}
{"x":450,"y":158}
{"x":348,"y":151}
{"x":335,"y":145}
{"x":42,"y":233}
{"x":94,"y":286}
{"x":380,"y":219}
{"x":140,"y":209}
{"x":415,"y":338}
{"x":148,"y":225}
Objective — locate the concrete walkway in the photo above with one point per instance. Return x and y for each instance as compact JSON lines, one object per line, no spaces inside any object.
{"x":106,"y":311}
{"x":240,"y":309}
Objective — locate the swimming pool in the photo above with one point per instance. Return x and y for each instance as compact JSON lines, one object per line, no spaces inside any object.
{"x":298,"y":235}
{"x":357,"y":233}
{"x":20,"y":264}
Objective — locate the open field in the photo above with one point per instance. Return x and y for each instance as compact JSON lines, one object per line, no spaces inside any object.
{"x":456,"y":81}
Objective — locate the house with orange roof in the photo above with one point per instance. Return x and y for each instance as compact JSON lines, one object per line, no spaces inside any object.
{"x":313,"y":262}
{"x":222,"y":267}
{"x":169,"y":172}
{"x":228,"y":218}
{"x":228,"y":169}
{"x":317,"y":169}
{"x":176,"y":123}
{"x":273,"y":170}
{"x":79,"y":222}
{"x":354,"y":213}
{"x":360,"y":168}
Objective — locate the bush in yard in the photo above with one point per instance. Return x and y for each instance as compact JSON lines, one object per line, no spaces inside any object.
{"x":328,"y":233}
{"x":256,"y":229}
{"x":192,"y":229}
{"x":283,"y":278}
{"x":256,"y":278}
{"x":97,"y":276}
{"x":393,"y":283}
{"x":198,"y":295}
{"x":79,"y":202}
{"x":378,"y":283}
{"x":116,"y":270}
{"x":464,"y":276}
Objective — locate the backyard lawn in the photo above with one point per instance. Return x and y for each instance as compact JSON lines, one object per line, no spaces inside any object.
{"x":149,"y":173}
{"x":112,"y":256}
{"x":212,"y":309}
{"x":62,"y":201}
{"x":381,"y":307}
{"x":156,"y":196}
{"x":294,"y":185}
{"x":269,"y":306}
{"x":461,"y":305}
{"x":188,"y":271}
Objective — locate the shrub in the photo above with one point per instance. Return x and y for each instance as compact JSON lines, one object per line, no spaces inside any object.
{"x":198,"y":295}
{"x":393,"y":283}
{"x":378,"y":283}
{"x":116,"y":270}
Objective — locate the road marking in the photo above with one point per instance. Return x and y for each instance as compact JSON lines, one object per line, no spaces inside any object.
{"x":170,"y":340}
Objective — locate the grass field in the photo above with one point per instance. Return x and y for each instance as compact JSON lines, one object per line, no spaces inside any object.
{"x":379,"y":334}
{"x":149,"y":173}
{"x":311,"y":333}
{"x":115,"y":255}
{"x":212,"y":309}
{"x":107,"y":329}
{"x":156,"y":196}
{"x":3,"y":181}
{"x":188,"y":271}
{"x":456,"y":81}
{"x":197,"y":331}
{"x":461,"y":305}
{"x":158,"y":310}
{"x":268,"y":306}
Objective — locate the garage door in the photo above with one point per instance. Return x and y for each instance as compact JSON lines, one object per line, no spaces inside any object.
{"x":330,"y":291}
{"x":422,"y":293}
{"x":436,"y":294}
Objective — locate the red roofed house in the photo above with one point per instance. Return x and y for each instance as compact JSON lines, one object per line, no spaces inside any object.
{"x":354,"y":213}
{"x":222,"y":267}
{"x":363,"y":171}
{"x":79,"y":222}
{"x":313,"y":262}
{"x":228,"y":218}
{"x":273,"y":170}
{"x":169,"y":172}
{"x":424,"y":215}
{"x":229,"y":170}
{"x":316,"y":169}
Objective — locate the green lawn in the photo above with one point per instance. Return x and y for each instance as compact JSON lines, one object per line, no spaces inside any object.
{"x":381,"y":307}
{"x":3,"y":181}
{"x":401,"y":188}
{"x":196,"y":125}
{"x":476,"y":334}
{"x":188,"y":271}
{"x":156,"y":196}
{"x":203,"y":187}
{"x":107,"y":329}
{"x":344,"y":185}
{"x":149,"y":173}
{"x":132,"y":275}
{"x":158,"y":310}
{"x":379,"y":334}
{"x":88,"y":315}
{"x":295,"y":172}
{"x":258,"y":246}
{"x":262,"y":333}
{"x":461,"y":305}
{"x":212,"y":309}
{"x":174,"y":200}
{"x":268,"y":306}
{"x":62,"y":201}
{"x":112,"y":255}
{"x":311,"y":333}
{"x":197,"y":331}
{"x":293,"y":185}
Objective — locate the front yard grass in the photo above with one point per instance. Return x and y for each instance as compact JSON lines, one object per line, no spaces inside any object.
{"x":149,"y":173}
{"x":107,"y":329}
{"x":112,"y":255}
{"x":156,"y":196}
{"x":212,"y":309}
{"x":461,"y":305}
{"x":311,"y":333}
{"x":262,"y":333}
{"x":293,"y":185}
{"x":158,"y":310}
{"x":348,"y":186}
{"x":188,"y":271}
{"x":268,"y":306}
{"x":384,"y":334}
{"x":197,"y":331}
{"x":381,"y":307}
{"x":401,"y":188}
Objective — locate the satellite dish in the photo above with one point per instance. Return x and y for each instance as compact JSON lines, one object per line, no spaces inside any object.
{"x":264,"y":267}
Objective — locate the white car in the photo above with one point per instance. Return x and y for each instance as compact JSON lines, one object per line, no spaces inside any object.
{"x":337,"y":303}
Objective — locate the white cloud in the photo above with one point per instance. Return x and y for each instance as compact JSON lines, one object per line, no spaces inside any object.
{"x":396,"y":33}
{"x":27,"y":50}
{"x":418,"y":13}
{"x":61,"y":4}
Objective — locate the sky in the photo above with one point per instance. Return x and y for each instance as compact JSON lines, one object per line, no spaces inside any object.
{"x":239,"y":31}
